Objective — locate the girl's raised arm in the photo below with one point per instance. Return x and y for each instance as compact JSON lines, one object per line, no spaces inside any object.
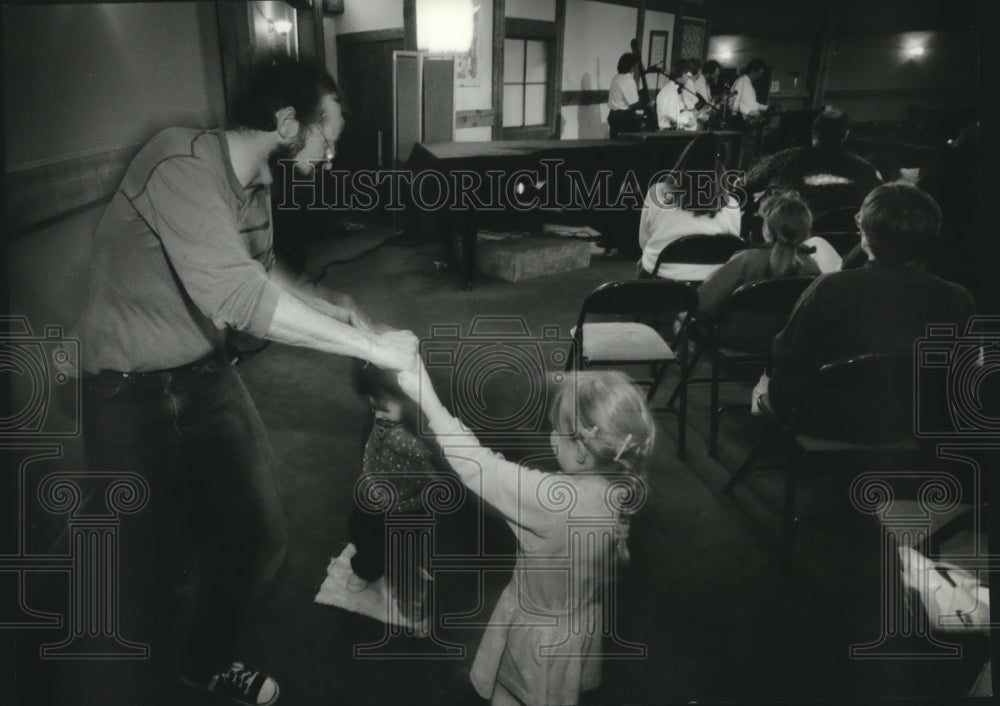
{"x":509,"y":487}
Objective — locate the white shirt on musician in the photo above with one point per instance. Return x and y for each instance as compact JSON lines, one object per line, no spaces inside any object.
{"x":743,"y":99}
{"x":696,"y":86}
{"x":623,"y":92}
{"x":670,"y":111}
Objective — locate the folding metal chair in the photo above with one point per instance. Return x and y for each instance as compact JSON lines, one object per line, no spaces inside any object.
{"x":862,"y":406}
{"x":762,"y":307}
{"x":633,"y":342}
{"x":838,"y":228}
{"x":706,"y":250}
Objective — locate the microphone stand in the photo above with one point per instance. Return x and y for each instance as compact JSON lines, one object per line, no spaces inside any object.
{"x":702,"y":102}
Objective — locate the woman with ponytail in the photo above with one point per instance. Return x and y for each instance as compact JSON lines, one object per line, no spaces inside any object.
{"x":792,"y":253}
{"x":543,"y":642}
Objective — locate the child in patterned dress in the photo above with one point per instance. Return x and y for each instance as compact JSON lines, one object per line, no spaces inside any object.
{"x":396,"y":468}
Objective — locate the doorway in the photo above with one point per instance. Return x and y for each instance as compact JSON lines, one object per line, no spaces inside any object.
{"x":364,"y":61}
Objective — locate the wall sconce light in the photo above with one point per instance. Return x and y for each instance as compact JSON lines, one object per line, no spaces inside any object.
{"x":725,"y":55}
{"x":278,"y":32}
{"x":445,"y":26}
{"x":915,"y":51}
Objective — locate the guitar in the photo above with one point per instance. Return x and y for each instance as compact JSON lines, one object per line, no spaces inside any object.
{"x":763,"y":118}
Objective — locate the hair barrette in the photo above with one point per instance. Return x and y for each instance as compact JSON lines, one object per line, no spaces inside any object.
{"x":621,"y":449}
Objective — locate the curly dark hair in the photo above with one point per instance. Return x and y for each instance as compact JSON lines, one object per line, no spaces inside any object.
{"x":282,"y":84}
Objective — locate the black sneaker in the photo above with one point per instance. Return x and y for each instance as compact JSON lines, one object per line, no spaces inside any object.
{"x":242,"y":686}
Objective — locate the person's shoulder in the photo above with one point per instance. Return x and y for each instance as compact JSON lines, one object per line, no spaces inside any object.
{"x":795,"y":152}
{"x":173,"y":149}
{"x":858,"y":160}
{"x":958,"y":295}
{"x":180,"y":141}
{"x":789,"y":154}
{"x":748,"y":258}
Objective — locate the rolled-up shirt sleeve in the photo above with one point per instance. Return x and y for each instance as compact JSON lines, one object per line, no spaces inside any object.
{"x":182,"y":203}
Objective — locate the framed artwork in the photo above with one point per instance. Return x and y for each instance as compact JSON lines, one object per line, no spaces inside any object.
{"x":692,"y":38}
{"x":657,"y":53}
{"x":467,"y":64}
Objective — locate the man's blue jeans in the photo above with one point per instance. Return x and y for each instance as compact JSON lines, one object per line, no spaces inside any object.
{"x":213,"y":533}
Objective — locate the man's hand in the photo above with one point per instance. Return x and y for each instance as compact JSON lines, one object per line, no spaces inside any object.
{"x":396,"y":350}
{"x":409,"y":379}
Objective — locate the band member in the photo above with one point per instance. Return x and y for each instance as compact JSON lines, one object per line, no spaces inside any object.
{"x":697,"y":93}
{"x":671,"y":112}
{"x":623,"y":98}
{"x":700,"y":84}
{"x":743,"y":97}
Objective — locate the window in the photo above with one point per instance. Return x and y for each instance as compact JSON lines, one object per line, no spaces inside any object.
{"x":526,"y":71}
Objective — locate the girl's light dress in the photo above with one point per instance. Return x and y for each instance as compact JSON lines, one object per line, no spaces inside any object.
{"x":543,"y":642}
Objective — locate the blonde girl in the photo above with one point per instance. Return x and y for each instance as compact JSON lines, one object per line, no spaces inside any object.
{"x":543,"y":642}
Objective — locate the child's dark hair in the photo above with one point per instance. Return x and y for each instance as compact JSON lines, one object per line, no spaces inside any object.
{"x":381,"y":384}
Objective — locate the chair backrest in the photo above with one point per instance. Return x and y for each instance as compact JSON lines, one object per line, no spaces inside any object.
{"x":867,"y":398}
{"x":842,"y":241}
{"x":639,"y":296}
{"x":757,"y":312}
{"x":700,"y":249}
{"x":836,"y":220}
{"x":838,"y":227}
{"x":766,"y":296}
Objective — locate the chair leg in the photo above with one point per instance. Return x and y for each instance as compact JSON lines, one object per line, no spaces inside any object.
{"x":682,"y":385}
{"x":685,"y":370}
{"x":657,"y":379}
{"x":713,"y":420}
{"x":791,"y":476}
{"x":748,"y":464}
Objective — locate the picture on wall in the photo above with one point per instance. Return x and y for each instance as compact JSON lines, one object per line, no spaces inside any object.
{"x":657,"y":54}
{"x":692,"y":36}
{"x":467,"y":63}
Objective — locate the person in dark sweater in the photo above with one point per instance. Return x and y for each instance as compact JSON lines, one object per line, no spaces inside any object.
{"x":825,"y":174}
{"x":883,"y":307}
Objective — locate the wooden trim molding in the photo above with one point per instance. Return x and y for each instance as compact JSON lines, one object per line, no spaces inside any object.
{"x":529,"y":29}
{"x":499,"y":8}
{"x":583,"y":97}
{"x":410,"y":25}
{"x":483,"y":117}
{"x":374,"y":35}
{"x":44,"y":193}
{"x":892,"y":93}
{"x":555,"y":95}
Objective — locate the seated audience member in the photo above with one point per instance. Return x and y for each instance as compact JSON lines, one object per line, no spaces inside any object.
{"x":686,"y":203}
{"x":825,"y":174}
{"x":793,"y":253}
{"x":671,"y":109}
{"x":883,"y":307}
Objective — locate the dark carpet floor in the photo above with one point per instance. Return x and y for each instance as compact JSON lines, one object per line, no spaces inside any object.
{"x":714,"y":612}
